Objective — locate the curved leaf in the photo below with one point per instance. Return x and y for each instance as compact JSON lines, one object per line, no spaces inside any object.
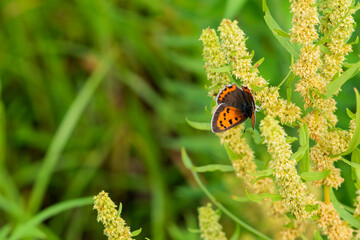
{"x":355,"y":138}
{"x":338,"y":82}
{"x":199,"y":125}
{"x":342,"y":212}
{"x":355,"y":172}
{"x":214,"y":167}
{"x":232,"y":155}
{"x":275,"y":28}
{"x":314,"y":176}
{"x":259,"y":197}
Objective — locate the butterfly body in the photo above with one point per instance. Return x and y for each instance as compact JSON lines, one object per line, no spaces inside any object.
{"x":235,"y":105}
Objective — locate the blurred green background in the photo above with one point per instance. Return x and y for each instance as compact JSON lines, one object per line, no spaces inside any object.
{"x":127,"y":139}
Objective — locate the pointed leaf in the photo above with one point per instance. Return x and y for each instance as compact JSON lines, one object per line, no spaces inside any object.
{"x":199,"y":125}
{"x":317,"y":235}
{"x":281,"y":33}
{"x":136,"y":232}
{"x":227,"y":68}
{"x":232,"y":155}
{"x":185,"y":158}
{"x":350,"y":219}
{"x":355,"y":172}
{"x":314,"y":176}
{"x":260,"y":197}
{"x":214,"y":167}
{"x":291,"y":139}
{"x":257,"y":137}
{"x":350,"y":114}
{"x":272,"y":24}
{"x":263,"y":173}
{"x":338,"y":82}
{"x":355,"y":138}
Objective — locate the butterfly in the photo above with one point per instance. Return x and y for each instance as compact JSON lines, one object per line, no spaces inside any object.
{"x":235,"y":105}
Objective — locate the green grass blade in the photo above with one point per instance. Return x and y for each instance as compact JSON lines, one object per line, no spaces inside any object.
{"x":47,"y":213}
{"x":64,"y":132}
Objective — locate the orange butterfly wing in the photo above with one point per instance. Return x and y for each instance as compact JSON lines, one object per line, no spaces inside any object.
{"x":226,"y":117}
{"x":228,"y":94}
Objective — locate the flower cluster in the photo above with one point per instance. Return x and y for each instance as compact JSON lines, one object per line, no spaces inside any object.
{"x":210,"y":227}
{"x":305,"y":19}
{"x":292,"y":189}
{"x":294,"y":230}
{"x":331,"y":224}
{"x":323,"y":39}
{"x":330,"y":144}
{"x":333,"y":13}
{"x":107,"y":214}
{"x":231,"y":50}
{"x":214,"y":58}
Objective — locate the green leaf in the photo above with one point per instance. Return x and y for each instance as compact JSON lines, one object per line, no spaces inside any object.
{"x":240,"y":199}
{"x":355,"y":172}
{"x":227,"y":68}
{"x":194,"y":230}
{"x":338,"y":82}
{"x":314,"y":176}
{"x":207,"y":111}
{"x":288,"y":85}
{"x":185,"y":158}
{"x":214,"y":167}
{"x":257,"y":64}
{"x":311,"y":208}
{"x":263,"y":173}
{"x":350,"y":219}
{"x":136,"y":232}
{"x":299,"y":154}
{"x":289,"y":225}
{"x":350,"y":114}
{"x":257,"y":137}
{"x":291,"y":139}
{"x":232,"y":155}
{"x":256,"y":88}
{"x":355,"y":138}
{"x":260,"y":197}
{"x":281,"y":33}
{"x":352,"y":164}
{"x":199,"y":125}
{"x":120,"y":208}
{"x":236,"y":234}
{"x":324,"y":49}
{"x":317,"y":235}
{"x":355,"y":42}
{"x":272,"y":24}
{"x":303,"y":151}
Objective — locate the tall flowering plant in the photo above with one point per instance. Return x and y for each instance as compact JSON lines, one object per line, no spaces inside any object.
{"x":318,"y":43}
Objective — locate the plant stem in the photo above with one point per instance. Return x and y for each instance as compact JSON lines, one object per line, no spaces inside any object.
{"x":226,"y":211}
{"x":326,"y":194}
